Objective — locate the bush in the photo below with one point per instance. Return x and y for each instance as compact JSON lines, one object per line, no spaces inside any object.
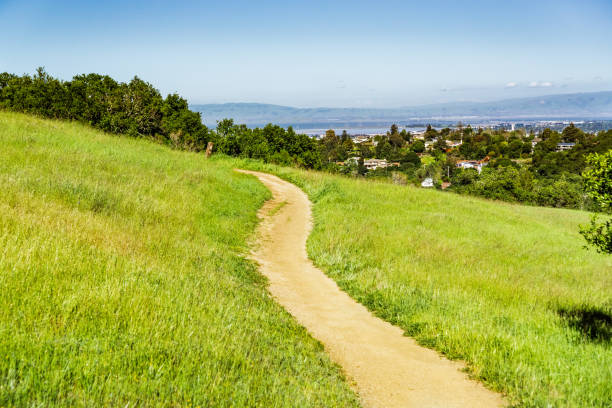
{"x":598,"y":185}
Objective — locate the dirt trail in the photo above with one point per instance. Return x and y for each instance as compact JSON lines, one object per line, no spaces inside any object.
{"x":387,"y":368}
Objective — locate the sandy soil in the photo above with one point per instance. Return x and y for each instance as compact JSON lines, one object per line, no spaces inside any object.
{"x":386,"y":368}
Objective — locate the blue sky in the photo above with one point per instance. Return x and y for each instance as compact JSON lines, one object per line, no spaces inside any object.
{"x":320,"y":53}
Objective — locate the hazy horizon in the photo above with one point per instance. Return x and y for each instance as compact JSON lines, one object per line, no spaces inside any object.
{"x":398,"y":106}
{"x":319,"y":54}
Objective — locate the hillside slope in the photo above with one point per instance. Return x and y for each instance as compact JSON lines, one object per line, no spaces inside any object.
{"x":123,"y":283}
{"x":507,"y":288}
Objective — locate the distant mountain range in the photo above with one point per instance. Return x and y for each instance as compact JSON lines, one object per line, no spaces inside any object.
{"x":594,"y":105}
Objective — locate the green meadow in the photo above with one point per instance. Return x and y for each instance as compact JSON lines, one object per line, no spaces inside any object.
{"x":509,"y":289}
{"x":123,"y":280}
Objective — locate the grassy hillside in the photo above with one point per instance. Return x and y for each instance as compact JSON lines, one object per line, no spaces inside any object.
{"x":122,"y":280}
{"x":507,"y":288}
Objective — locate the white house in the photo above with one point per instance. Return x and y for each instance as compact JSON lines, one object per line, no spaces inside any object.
{"x":373,"y":164}
{"x":473,"y":164}
{"x":565,"y":146}
{"x":418,"y":135}
{"x":430,"y":143}
{"x":427,"y":183}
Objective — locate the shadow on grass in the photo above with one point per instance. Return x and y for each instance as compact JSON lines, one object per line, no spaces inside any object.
{"x":595,"y":323}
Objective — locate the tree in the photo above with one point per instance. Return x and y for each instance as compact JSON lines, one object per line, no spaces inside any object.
{"x":396,"y":140}
{"x":598,"y":185}
{"x":347,"y":143}
{"x":344,"y":137}
{"x":515,"y":148}
{"x":440,"y":145}
{"x":228,"y":142}
{"x":384,"y":149}
{"x":418,"y":146}
{"x":430,"y":133}
{"x":412,"y":158}
{"x":331,"y":144}
{"x":572,"y":134}
{"x":183,"y":126}
{"x":365,"y":151}
{"x":361,"y":168}
{"x":142,"y":103}
{"x":464,"y":177}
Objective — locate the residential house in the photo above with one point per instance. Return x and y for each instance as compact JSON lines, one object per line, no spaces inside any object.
{"x":473,"y":164}
{"x":373,"y":164}
{"x":361,"y":138}
{"x":419,"y":135}
{"x":430,"y":143}
{"x":561,"y":147}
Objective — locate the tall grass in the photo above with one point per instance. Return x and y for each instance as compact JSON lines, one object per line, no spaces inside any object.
{"x":123,"y":281}
{"x":507,"y":288}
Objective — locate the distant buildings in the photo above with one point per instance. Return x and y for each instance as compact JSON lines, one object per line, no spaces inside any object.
{"x":361,"y":138}
{"x":561,"y":147}
{"x":373,"y":164}
{"x":430,"y":143}
{"x":473,"y":164}
{"x":565,"y":146}
{"x":419,"y":135}
{"x":369,"y":164}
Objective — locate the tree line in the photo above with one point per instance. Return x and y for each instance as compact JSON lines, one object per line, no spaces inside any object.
{"x":137,"y":109}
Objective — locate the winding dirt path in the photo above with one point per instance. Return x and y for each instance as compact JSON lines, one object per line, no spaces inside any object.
{"x":387,"y":368}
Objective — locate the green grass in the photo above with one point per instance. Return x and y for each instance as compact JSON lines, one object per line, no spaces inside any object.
{"x":123,"y":280}
{"x":507,"y":288}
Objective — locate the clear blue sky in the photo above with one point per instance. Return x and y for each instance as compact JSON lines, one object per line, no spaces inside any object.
{"x":320,"y":53}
